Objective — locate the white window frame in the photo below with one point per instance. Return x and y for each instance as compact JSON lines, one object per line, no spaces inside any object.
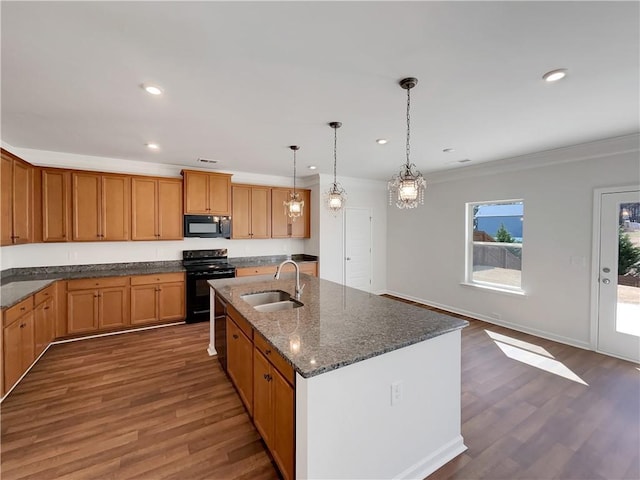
{"x":469,"y":281}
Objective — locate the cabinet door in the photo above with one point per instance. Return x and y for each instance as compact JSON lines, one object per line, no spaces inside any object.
{"x":300,"y":228}
{"x":170,"y":216}
{"x":55,"y":206}
{"x":82,"y":311}
{"x":260,"y":212}
{"x":27,"y":340}
{"x":43,"y":326}
{"x":280,"y":222}
{"x":262,"y":407}
{"x":113,"y":307}
{"x":240,"y":363}
{"x":144,"y":304}
{"x":6,"y":201}
{"x":12,"y":354}
{"x":22,"y":202}
{"x":116,"y":207}
{"x":144,"y":202}
{"x":86,"y":206}
{"x":241,"y":211}
{"x":196,"y":191}
{"x":283,"y":440}
{"x":171,"y":301}
{"x":219,"y":194}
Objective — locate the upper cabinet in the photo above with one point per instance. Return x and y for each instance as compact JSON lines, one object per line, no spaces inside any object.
{"x":207,"y":193}
{"x":56,"y":205}
{"x":16,"y":200}
{"x":101,"y":207}
{"x":251,"y":211}
{"x":283,"y":226}
{"x":156,"y":208}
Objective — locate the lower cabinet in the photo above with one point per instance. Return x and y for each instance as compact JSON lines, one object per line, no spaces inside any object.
{"x":97,"y":304}
{"x":157,"y":298}
{"x":45,"y":318}
{"x":18,"y":341}
{"x":240,"y":362}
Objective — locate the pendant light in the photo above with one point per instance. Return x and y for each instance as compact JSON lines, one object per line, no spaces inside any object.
{"x":336,"y":196}
{"x":293,"y":208}
{"x":408,"y":185}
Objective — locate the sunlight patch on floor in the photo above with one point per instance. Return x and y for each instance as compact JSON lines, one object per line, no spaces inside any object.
{"x":534,"y":359}
{"x":628,"y":319}
{"x":518,"y":343}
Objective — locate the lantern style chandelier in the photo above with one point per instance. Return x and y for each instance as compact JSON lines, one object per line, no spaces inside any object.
{"x":408,"y":185}
{"x":293,"y":208}
{"x":336,"y":196}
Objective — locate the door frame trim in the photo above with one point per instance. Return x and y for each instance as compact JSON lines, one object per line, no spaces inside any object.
{"x":595,"y":261}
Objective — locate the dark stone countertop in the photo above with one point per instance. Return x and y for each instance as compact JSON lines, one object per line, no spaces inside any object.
{"x":242,"y":262}
{"x":337,"y":325}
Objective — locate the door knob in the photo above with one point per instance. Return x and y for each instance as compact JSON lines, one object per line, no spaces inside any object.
{"x":606,"y":281}
{"x":348,"y":258}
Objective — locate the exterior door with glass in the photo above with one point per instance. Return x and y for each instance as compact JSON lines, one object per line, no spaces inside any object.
{"x":619,"y":274}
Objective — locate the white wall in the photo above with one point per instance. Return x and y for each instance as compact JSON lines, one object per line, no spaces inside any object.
{"x":426,"y":246}
{"x":73,"y":253}
{"x":330,"y":245}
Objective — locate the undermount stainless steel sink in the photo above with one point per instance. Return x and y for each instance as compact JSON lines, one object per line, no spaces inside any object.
{"x":278,"y":306}
{"x":261,"y":298}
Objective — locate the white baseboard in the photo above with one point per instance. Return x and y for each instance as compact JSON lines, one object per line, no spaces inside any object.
{"x":513,"y":326}
{"x":437,"y":459}
{"x":211,"y":350}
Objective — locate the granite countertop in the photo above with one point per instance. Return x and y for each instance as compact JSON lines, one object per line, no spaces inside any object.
{"x":337,"y":325}
{"x":241,"y":262}
{"x":18,"y":284}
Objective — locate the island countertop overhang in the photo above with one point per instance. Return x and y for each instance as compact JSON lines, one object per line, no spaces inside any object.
{"x":337,"y":326}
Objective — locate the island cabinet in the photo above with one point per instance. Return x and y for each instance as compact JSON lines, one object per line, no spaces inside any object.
{"x":157,"y":298}
{"x":95,"y":304}
{"x":18,"y":341}
{"x":310,"y":268}
{"x":156,"y":208}
{"x":274,"y":404}
{"x":251,"y":211}
{"x":283,"y":226}
{"x":101,"y":207}
{"x":56,"y":205}
{"x":16,"y":201}
{"x":240,"y":356}
{"x":207,"y":193}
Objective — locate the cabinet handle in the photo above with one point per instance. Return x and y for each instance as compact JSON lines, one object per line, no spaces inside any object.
{"x":267,"y":351}
{"x":15,"y":236}
{"x":235,"y":336}
{"x":46,"y":308}
{"x":269,"y":378}
{"x":95,"y":296}
{"x":23,"y":308}
{"x":266,"y":375}
{"x":22,"y":325}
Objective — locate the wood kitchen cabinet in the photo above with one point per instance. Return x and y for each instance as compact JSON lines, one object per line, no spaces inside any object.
{"x":282,"y":226}
{"x":45,"y":317}
{"x":251,"y":211}
{"x":56,"y":205}
{"x":101,"y":207}
{"x":207,"y":193}
{"x":18,"y":341}
{"x":240,"y":356}
{"x":156,"y":208}
{"x":157,"y":298}
{"x":310,"y":268}
{"x":97,"y":304}
{"x":274,"y":404}
{"x":16,"y":200}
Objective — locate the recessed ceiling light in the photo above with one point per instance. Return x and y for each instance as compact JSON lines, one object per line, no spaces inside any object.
{"x":312,"y":167}
{"x":153,"y":146}
{"x":381,"y":141}
{"x":447,"y":150}
{"x":555,"y":75}
{"x":152,"y":89}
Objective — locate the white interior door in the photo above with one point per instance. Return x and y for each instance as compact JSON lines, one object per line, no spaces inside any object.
{"x":357,"y":227}
{"x":618,"y":279}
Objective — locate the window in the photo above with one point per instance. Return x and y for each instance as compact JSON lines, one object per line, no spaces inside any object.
{"x":494,"y":244}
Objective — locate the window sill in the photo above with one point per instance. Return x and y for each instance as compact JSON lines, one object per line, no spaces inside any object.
{"x":496,"y":289}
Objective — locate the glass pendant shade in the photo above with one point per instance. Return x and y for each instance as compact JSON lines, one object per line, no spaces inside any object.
{"x":336,"y":197}
{"x":295,"y":206}
{"x":407,"y":186}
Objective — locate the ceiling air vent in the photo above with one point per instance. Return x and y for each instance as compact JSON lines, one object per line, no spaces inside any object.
{"x":464,"y":160}
{"x":207,"y":161}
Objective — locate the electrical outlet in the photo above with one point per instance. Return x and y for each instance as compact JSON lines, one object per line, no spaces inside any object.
{"x":396,"y":392}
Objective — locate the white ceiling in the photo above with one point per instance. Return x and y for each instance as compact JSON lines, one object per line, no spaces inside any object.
{"x":244,"y":80}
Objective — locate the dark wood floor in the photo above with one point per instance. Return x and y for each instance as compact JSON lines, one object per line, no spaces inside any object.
{"x":153,"y":405}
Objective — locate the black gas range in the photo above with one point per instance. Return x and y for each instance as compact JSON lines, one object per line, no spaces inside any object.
{"x":201,"y":266}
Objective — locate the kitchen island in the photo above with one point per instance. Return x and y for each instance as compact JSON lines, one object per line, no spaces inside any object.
{"x":377,"y":381}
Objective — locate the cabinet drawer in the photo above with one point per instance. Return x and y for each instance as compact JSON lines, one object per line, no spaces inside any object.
{"x":42,"y":295}
{"x":275,"y":358}
{"x":248,"y":271}
{"x":240,"y":321}
{"x":88,"y":283}
{"x":157,"y":278}
{"x":310,"y":268}
{"x":15,"y":312}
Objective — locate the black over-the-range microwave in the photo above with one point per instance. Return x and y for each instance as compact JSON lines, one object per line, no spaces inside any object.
{"x":207,"y":226}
